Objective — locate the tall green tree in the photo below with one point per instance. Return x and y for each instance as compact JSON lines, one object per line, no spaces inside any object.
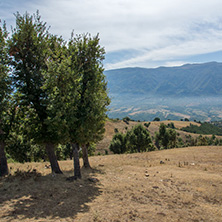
{"x":80,"y":90}
{"x":4,"y":99}
{"x":92,"y":100}
{"x":30,"y":49}
{"x":165,"y":137}
{"x":139,"y":139}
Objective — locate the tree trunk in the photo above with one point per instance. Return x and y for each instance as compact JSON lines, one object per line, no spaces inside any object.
{"x":3,"y":160}
{"x":52,"y":158}
{"x":85,"y":156}
{"x":77,"y":172}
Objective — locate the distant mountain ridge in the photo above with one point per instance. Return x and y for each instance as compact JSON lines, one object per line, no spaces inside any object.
{"x":191,"y":91}
{"x":187,"y":80}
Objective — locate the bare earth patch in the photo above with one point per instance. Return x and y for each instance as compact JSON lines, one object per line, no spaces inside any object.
{"x":170,"y":185}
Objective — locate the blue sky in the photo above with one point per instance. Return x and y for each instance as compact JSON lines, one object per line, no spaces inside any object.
{"x":135,"y":33}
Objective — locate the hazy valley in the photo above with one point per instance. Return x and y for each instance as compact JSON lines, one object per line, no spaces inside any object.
{"x":189,"y":91}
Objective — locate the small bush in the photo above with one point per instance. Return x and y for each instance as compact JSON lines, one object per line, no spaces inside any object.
{"x":147,"y":124}
{"x":116,"y":130}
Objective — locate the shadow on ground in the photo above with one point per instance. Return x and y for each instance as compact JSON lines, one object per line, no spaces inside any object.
{"x":46,"y":197}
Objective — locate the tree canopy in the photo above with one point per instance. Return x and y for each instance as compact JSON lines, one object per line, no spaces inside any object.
{"x":135,"y":140}
{"x":59,"y":89}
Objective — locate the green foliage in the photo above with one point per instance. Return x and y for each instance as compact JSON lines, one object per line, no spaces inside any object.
{"x":23,"y":150}
{"x":202,"y":141}
{"x":78,"y":87}
{"x":29,"y":48}
{"x":139,"y":139}
{"x":126,"y":120}
{"x":147,"y":125}
{"x":204,"y":128}
{"x":180,"y":142}
{"x":135,"y":140}
{"x":156,"y":119}
{"x":59,"y":89}
{"x":116,"y":130}
{"x":6,"y":114}
{"x":118,"y":144}
{"x":171,"y":125}
{"x":165,"y":137}
{"x":172,"y":138}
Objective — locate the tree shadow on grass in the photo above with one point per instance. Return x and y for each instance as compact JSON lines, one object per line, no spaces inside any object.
{"x":47,"y":197}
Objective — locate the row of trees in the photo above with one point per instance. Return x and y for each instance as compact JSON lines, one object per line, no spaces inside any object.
{"x":138,"y":139}
{"x":52,"y":91}
{"x":202,"y":141}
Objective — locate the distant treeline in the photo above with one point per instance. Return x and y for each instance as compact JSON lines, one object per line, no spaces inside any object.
{"x":138,"y":139}
{"x":204,"y":128}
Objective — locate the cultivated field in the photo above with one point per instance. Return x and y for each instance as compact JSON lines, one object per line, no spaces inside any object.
{"x":171,"y":185}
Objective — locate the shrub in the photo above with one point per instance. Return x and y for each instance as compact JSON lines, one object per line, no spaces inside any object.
{"x":171,"y":125}
{"x":118,"y":143}
{"x":126,"y":119}
{"x":135,"y":140}
{"x":116,"y":130}
{"x":165,"y":137}
{"x":147,"y":124}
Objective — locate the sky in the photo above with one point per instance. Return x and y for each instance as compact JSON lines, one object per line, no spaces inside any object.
{"x":134,"y":33}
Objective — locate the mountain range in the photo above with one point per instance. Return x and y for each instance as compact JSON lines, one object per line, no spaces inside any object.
{"x":187,"y":80}
{"x":164,"y":91}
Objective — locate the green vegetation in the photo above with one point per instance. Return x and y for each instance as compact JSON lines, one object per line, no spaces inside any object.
{"x":147,"y":125}
{"x":171,"y":125}
{"x":138,"y":140}
{"x":126,"y":119}
{"x":5,"y":111}
{"x":204,"y":128}
{"x":165,"y":138}
{"x":59,"y":94}
{"x":135,"y":140}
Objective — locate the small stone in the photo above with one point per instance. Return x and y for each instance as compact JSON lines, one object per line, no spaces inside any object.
{"x":94,"y":180}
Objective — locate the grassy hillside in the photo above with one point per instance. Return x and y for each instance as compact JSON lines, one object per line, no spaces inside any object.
{"x":111,"y":125}
{"x":170,"y":185}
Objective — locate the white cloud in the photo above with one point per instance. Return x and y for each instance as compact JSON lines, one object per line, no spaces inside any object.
{"x":162,"y":30}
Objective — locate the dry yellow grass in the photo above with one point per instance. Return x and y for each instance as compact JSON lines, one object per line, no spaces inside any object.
{"x":130,"y":187}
